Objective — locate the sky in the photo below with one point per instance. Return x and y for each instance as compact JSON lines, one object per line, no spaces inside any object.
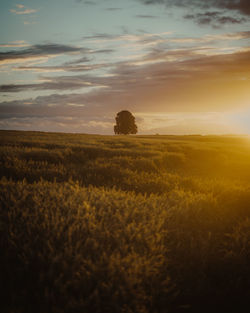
{"x":179,"y":66}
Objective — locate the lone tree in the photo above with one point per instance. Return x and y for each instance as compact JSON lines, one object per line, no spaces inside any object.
{"x":125,"y":123}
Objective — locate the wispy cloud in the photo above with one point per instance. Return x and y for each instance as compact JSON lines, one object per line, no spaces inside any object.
{"x":22,"y":10}
{"x":83,"y":124}
{"x":127,"y":38}
{"x":138,"y":41}
{"x":242,"y":6}
{"x":215,"y":18}
{"x":47,"y":51}
{"x":62,"y":68}
{"x":86,"y":2}
{"x":20,"y":6}
{"x":218,"y":12}
{"x":113,"y":9}
{"x":29,"y":22}
{"x":164,"y":37}
{"x":181,"y":78}
{"x":146,"y":16}
{"x":39,"y":51}
{"x":15,"y":44}
{"x":231,"y":36}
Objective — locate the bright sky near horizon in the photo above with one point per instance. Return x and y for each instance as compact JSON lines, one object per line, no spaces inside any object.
{"x":181,"y":67}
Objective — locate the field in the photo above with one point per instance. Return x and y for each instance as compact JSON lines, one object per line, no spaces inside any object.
{"x":124,"y":224}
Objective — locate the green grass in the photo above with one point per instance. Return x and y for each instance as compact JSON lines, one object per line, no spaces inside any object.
{"x":146,"y":224}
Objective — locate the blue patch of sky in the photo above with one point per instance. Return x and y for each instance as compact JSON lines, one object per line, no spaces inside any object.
{"x":69,"y":20}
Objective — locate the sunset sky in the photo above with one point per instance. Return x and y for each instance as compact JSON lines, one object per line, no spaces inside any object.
{"x":180,"y":66}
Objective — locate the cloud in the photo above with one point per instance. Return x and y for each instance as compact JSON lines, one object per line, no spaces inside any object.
{"x":215,"y":18}
{"x":242,"y":6}
{"x":146,"y":16}
{"x":147,"y":40}
{"x":15,"y":44}
{"x":28,"y":23}
{"x":229,"y":10}
{"x":164,"y":78}
{"x":208,"y":39}
{"x":91,"y":125}
{"x":42,"y":53}
{"x":56,"y":83}
{"x":143,"y":39}
{"x":26,"y":11}
{"x":86,"y":2}
{"x":113,"y":9}
{"x":177,"y":80}
{"x":102,"y":36}
{"x":55,"y":113}
{"x":21,"y":10}
{"x":36,"y":51}
{"x":103,"y":51}
{"x":78,"y":61}
{"x":230,"y":20}
{"x":61,"y":68}
{"x":234,"y":36}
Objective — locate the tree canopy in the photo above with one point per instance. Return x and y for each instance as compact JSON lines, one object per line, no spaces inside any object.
{"x":125,"y":123}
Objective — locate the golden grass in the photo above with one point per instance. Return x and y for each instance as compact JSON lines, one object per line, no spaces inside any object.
{"x":124,"y":223}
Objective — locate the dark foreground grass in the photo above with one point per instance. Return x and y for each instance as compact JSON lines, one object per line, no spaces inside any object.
{"x":124,"y":224}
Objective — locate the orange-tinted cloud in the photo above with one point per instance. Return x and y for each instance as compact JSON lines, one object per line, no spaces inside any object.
{"x":177,"y":81}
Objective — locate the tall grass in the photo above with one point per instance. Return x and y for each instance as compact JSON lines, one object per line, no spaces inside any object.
{"x":124,"y":224}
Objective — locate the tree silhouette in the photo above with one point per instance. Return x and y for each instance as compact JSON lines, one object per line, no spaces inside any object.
{"x":125,"y":123}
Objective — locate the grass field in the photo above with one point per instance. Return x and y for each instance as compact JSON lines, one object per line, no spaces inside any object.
{"x":130,"y":224}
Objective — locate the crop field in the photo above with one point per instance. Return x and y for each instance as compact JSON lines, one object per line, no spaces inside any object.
{"x":124,"y":224}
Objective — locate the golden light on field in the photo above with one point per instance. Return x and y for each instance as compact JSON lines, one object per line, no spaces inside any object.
{"x":125,"y":156}
{"x":121,"y":217}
